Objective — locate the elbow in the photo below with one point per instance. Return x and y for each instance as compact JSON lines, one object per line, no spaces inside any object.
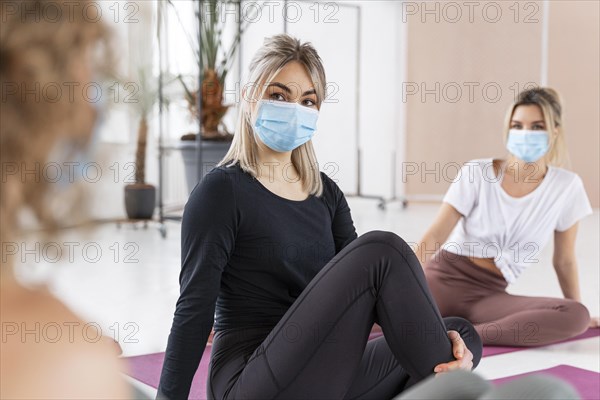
{"x":563,"y":266}
{"x":427,"y":247}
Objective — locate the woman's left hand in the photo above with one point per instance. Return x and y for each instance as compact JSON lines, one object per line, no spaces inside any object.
{"x":594,"y":322}
{"x":464,"y":357}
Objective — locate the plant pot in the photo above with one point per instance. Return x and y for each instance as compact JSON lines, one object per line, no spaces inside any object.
{"x":212,"y":153}
{"x":140,"y":200}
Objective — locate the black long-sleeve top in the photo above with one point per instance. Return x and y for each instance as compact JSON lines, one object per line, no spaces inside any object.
{"x":246,"y":255}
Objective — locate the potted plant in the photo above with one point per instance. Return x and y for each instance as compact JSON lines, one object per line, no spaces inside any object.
{"x":143,"y":94}
{"x":140,"y":196}
{"x":214,"y":60}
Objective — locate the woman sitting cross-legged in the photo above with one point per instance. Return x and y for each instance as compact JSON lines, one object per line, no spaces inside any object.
{"x":268,"y":242}
{"x":506,"y":211}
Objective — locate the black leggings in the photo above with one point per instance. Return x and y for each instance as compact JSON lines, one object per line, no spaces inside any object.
{"x":320,"y":348}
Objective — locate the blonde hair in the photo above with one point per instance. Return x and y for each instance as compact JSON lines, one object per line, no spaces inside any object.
{"x":550,"y":104}
{"x":275,"y":53}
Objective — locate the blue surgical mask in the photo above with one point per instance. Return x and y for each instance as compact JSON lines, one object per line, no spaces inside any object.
{"x":75,"y":160}
{"x":283,"y":126}
{"x":527,"y":145}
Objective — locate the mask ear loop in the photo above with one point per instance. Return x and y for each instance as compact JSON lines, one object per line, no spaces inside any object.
{"x":552,"y":135}
{"x":257,"y":109}
{"x":509,"y":157}
{"x":76,"y":154}
{"x":250,"y":117}
{"x":250,"y":120}
{"x":552,"y":140}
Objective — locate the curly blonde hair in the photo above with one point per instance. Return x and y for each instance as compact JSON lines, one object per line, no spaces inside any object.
{"x":49,"y":50}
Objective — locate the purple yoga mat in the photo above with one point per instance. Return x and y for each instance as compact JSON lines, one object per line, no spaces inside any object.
{"x":587,"y":383}
{"x":147,"y":368}
{"x":495,"y":350}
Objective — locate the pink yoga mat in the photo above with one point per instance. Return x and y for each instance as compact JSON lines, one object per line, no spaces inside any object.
{"x":495,"y":350}
{"x":147,"y":368}
{"x":587,"y":383}
{"x":374,"y":335}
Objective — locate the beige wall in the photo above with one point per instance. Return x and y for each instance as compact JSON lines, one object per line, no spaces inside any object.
{"x":504,"y":54}
{"x":573,"y":68}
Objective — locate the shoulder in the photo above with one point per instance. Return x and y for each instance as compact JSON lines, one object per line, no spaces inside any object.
{"x":332,"y":195}
{"x":480,"y":164}
{"x":216,"y":188}
{"x":475,"y":165}
{"x":475,"y":169}
{"x":218,"y":179}
{"x":330,"y":187}
{"x":563,"y":177}
{"x":75,"y":355}
{"x":226,"y":172}
{"x":480,"y":161}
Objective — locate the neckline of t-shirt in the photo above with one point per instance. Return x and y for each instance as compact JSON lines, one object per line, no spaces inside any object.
{"x":310,"y":196}
{"x":264,"y":188}
{"x":528,"y":195}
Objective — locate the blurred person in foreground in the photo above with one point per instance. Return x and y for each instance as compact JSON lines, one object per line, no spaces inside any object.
{"x":48,"y":51}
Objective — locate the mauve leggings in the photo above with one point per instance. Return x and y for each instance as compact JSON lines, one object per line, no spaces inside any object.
{"x":464,"y":289}
{"x":319,"y":349}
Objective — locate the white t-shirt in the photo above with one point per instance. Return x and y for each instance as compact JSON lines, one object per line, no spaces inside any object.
{"x":512,"y":230}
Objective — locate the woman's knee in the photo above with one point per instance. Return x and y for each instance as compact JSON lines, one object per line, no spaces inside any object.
{"x":387,"y":237}
{"x":469,"y":335}
{"x":579,"y":318}
{"x":389,"y":253}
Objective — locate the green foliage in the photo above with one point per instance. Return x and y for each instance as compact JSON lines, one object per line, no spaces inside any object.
{"x":211,"y":33}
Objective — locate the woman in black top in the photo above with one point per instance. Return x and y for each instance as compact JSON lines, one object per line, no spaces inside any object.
{"x":271,"y":257}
